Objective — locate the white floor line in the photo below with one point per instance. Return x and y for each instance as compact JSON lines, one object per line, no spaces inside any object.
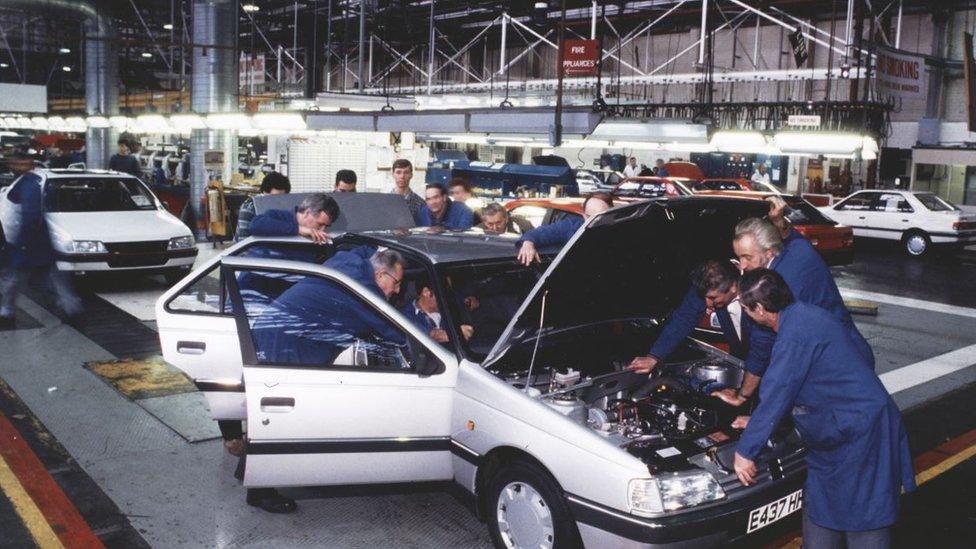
{"x":909,"y":376}
{"x":908,"y":302}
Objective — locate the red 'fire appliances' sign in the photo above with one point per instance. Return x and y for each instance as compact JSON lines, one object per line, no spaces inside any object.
{"x":580,"y":57}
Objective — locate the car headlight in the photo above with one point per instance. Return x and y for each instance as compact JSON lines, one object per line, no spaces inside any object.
{"x":672,"y":491}
{"x":181,"y":243}
{"x":85,"y":247}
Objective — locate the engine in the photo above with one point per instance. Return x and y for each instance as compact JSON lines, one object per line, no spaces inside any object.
{"x":652,"y":418}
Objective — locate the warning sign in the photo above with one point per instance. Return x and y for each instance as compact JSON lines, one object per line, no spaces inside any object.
{"x":901,"y":74}
{"x":580,"y":57}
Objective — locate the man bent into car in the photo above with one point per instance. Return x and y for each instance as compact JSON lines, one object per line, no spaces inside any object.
{"x":559,"y":233}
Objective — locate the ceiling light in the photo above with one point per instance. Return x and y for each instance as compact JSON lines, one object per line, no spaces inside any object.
{"x":186,"y":122}
{"x":250,"y":8}
{"x":228,"y":121}
{"x":739,"y":142}
{"x":76,"y":124}
{"x":541,"y":5}
{"x":99,"y":122}
{"x":168,"y":27}
{"x":66,"y":68}
{"x":152,"y":123}
{"x":39,"y":123}
{"x":818,"y":142}
{"x":689,"y":147}
{"x":64,"y":50}
{"x":146,"y":55}
{"x":653,"y":131}
{"x":119,"y":122}
{"x":845,"y":71}
{"x":4,"y":65}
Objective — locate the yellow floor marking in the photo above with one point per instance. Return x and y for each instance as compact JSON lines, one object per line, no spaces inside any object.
{"x":944,"y":466}
{"x":31,"y":516}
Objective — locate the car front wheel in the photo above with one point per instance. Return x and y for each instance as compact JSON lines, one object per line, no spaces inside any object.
{"x":526,"y":508}
{"x":916,"y":243}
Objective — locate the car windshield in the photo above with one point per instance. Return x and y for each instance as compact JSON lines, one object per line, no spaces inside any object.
{"x":801,"y":212}
{"x":486,"y":296}
{"x":640,"y":189}
{"x":934,"y":203}
{"x":94,"y":194}
{"x":718,"y":186}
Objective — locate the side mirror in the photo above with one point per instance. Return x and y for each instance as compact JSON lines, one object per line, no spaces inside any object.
{"x":425,"y":363}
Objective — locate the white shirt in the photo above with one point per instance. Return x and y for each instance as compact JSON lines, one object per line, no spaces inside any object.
{"x":760,"y":177}
{"x":735,"y":312}
{"x":434,"y":317}
{"x":631,"y":171}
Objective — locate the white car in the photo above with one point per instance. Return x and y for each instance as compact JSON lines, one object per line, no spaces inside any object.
{"x":106,"y":221}
{"x":534,"y":416}
{"x":917,"y":219}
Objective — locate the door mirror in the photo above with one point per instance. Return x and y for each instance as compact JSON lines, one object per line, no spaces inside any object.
{"x":423,"y":361}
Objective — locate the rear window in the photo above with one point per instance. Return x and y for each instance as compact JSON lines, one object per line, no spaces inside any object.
{"x":934,"y":203}
{"x":802,"y":212}
{"x":718,"y":186}
{"x":639,"y":189}
{"x":92,"y":194}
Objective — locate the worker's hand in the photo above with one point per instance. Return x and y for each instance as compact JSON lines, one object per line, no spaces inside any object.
{"x":467,"y":331}
{"x":741,"y":422}
{"x":730,"y":396}
{"x":745,"y":469}
{"x":642,"y":364}
{"x":527,"y":254}
{"x":439,"y":335}
{"x":315,"y":235}
{"x":471,"y":302}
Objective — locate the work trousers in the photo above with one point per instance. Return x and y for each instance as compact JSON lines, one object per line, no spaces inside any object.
{"x":818,"y":537}
{"x":13,"y":281}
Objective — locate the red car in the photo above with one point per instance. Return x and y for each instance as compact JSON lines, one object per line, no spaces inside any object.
{"x":834,"y":241}
{"x":643,"y":188}
{"x":545,"y":211}
{"x":732,"y":184}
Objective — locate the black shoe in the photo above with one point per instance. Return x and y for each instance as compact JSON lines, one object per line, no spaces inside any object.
{"x":272,"y":503}
{"x":7,"y":322}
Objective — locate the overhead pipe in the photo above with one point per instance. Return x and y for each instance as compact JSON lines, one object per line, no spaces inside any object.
{"x":101,"y":68}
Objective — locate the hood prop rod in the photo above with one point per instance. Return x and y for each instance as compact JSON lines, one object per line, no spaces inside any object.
{"x":538,"y":338}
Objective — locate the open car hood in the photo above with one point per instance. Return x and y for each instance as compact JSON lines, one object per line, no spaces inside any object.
{"x":629,"y":262}
{"x":357,"y":211}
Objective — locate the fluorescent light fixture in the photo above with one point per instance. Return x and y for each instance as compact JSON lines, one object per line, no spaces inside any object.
{"x":279,"y":121}
{"x":186,"y":122}
{"x":4,"y":65}
{"x":818,"y":142}
{"x":739,"y":141}
{"x":651,"y":131}
{"x":76,"y":124}
{"x":689,"y":147}
{"x":152,"y":123}
{"x":228,"y":121}
{"x":66,"y":68}
{"x":120,"y":122}
{"x":146,"y":55}
{"x":64,"y":50}
{"x":99,"y":122}
{"x":16,"y":122}
{"x":250,"y":8}
{"x":541,"y":5}
{"x":168,"y":27}
{"x":39,"y":123}
{"x":868,"y":155}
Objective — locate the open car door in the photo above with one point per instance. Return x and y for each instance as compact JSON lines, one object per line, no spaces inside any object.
{"x":341,"y":388}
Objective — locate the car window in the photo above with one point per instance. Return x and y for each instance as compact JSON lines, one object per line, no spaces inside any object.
{"x":309,"y":321}
{"x":892,"y":202}
{"x":801,"y":212}
{"x":203,"y":295}
{"x":934,"y":203}
{"x":94,"y":194}
{"x":857,"y":202}
{"x":532,"y":214}
{"x":559,"y":215}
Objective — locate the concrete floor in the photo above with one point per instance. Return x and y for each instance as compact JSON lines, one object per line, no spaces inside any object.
{"x":182,"y":494}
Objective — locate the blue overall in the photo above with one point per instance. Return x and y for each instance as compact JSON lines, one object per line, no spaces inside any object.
{"x":857,"y":451}
{"x":456,"y":216}
{"x":554,"y":234}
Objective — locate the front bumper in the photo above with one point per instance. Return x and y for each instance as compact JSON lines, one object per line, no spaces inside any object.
{"x":719,"y":524}
{"x":122,"y":261}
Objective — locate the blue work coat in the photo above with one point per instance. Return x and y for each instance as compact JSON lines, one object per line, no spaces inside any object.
{"x":554,"y":234}
{"x":278,"y":223}
{"x":29,"y":246}
{"x":418,"y":317}
{"x":754,"y":347}
{"x":811,"y":282}
{"x":312,"y":322}
{"x":857,"y":451}
{"x":456,"y":216}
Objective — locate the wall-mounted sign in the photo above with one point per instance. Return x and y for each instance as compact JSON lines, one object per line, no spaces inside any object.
{"x":900,"y":74}
{"x":580,"y":57}
{"x":798,"y":42}
{"x":803,"y":120}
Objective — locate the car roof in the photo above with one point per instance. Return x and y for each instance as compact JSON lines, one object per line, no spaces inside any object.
{"x":69,"y":172}
{"x":444,"y":247}
{"x":566,"y":204}
{"x":754,"y":195}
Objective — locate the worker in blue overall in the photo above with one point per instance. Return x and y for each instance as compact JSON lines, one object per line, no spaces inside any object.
{"x":560,"y":232}
{"x":857,"y":458}
{"x":441,"y":211}
{"x":714,"y":285}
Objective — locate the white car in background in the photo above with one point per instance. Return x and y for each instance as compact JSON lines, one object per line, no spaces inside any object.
{"x":917,"y":219}
{"x":106,"y":221}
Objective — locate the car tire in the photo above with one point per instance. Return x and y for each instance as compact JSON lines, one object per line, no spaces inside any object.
{"x":173,"y":276}
{"x":916,"y":243}
{"x":526,"y":508}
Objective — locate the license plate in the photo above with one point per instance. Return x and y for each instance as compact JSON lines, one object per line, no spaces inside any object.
{"x":771,"y":512}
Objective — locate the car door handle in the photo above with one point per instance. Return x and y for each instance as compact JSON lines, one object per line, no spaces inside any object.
{"x":277,"y":405}
{"x":860,"y":217}
{"x":191,"y":347}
